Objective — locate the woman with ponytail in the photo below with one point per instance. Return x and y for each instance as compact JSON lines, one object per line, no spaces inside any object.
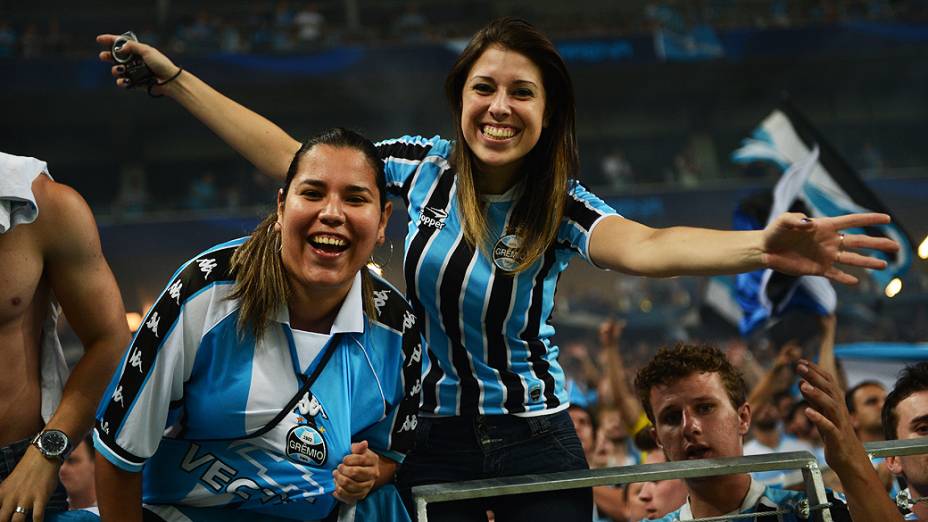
{"x":284,"y":372}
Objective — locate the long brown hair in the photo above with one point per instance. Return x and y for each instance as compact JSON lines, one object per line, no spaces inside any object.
{"x":551,"y":163}
{"x":261,"y":284}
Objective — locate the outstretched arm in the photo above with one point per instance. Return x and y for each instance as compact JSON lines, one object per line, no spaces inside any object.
{"x":83,"y":284}
{"x":843,"y":450}
{"x":792,"y":244}
{"x":259,"y":140}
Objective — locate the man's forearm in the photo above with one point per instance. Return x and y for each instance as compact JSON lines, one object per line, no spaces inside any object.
{"x":85,"y":386}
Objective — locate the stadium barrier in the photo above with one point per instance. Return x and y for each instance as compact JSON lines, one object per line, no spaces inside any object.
{"x":802,"y":460}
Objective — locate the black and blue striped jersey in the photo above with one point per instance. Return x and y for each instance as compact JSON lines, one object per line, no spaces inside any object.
{"x":488,"y":331}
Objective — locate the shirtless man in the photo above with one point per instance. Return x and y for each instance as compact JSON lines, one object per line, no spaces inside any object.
{"x":55,"y":257}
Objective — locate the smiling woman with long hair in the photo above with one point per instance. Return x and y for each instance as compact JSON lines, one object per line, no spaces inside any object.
{"x":495,"y":216}
{"x":284,"y":371}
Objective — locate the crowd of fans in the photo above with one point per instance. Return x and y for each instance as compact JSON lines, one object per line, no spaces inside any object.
{"x":284,"y":26}
{"x":609,"y":415}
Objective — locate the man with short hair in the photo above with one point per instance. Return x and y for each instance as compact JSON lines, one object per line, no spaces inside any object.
{"x":865,"y":403}
{"x":696,"y":400}
{"x":77,"y":475}
{"x":49,"y":253}
{"x":905,"y":416}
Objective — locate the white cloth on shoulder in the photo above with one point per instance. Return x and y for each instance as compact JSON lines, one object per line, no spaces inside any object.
{"x":18,"y":207}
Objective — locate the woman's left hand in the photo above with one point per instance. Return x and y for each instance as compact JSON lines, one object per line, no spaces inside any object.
{"x":357,"y":474}
{"x":797,"y":245}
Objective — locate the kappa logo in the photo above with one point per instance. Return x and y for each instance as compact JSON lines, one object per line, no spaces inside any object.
{"x":117,"y":396}
{"x":409,"y":320}
{"x":136,"y":360}
{"x":206,"y":266}
{"x":105,"y":427}
{"x":409,"y":424}
{"x":433,"y":217}
{"x":309,"y":406}
{"x":416,"y":388}
{"x":152,"y":323}
{"x":416,"y":356}
{"x":174,"y":291}
{"x":380,"y":299}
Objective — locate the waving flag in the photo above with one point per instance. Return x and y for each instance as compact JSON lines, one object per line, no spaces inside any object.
{"x":817,"y":181}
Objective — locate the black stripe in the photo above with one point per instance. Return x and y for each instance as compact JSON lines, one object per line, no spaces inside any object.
{"x":398,"y":315}
{"x":439,"y":199}
{"x":577,"y":211}
{"x":115,"y":448}
{"x":201,"y":272}
{"x":403,"y":150}
{"x":538,"y":349}
{"x":497,"y":349}
{"x":450,"y":288}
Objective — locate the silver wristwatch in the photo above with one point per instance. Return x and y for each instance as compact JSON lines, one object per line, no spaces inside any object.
{"x":54,"y":444}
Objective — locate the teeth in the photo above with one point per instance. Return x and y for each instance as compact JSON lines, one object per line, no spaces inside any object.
{"x":328,"y":240}
{"x":498,"y":132}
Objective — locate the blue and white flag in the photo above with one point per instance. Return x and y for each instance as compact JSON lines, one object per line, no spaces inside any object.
{"x":817,"y":181}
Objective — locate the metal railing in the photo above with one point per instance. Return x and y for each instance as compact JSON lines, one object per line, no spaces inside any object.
{"x":805,"y":461}
{"x":815,"y":489}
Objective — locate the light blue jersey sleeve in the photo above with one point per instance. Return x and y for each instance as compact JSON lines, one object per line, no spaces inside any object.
{"x":583,"y":212}
{"x":403,"y":157}
{"x":148,"y":386}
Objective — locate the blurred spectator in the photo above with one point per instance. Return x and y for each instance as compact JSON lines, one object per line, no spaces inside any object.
{"x":77,"y":476}
{"x":203,"y":193}
{"x":309,"y":24}
{"x":283,"y":16}
{"x":865,"y":402}
{"x":132,"y":197}
{"x":31,"y":42}
{"x":7,"y":39}
{"x":617,"y":170}
{"x":411,"y":26}
{"x":608,"y":500}
{"x":653,"y":500}
{"x":230,"y":38}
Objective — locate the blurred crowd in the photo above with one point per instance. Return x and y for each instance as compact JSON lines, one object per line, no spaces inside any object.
{"x":285,"y":26}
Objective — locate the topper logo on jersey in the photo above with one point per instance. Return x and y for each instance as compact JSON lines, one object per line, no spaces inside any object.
{"x":306,"y":446}
{"x":433,"y":217}
{"x":508,"y":253}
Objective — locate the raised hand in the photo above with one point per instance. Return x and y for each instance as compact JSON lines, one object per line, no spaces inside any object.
{"x":797,"y":245}
{"x":161,"y":66}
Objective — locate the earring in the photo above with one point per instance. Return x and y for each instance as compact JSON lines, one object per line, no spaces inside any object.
{"x":382,"y":255}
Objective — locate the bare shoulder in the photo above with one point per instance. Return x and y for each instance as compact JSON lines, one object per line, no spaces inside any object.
{"x":65,"y":220}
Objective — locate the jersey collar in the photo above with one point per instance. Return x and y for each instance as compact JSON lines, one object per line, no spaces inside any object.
{"x":755,"y":492}
{"x":350,"y":317}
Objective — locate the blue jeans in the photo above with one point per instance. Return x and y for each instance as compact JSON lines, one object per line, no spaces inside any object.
{"x":453,"y":449}
{"x":11,"y":455}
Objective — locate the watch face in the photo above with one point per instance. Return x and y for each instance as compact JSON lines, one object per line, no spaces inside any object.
{"x":54,"y":442}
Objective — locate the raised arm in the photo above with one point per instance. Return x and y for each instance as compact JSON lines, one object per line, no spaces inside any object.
{"x":83,"y":284}
{"x":259,"y":140}
{"x":866,"y":499}
{"x":777,"y":378}
{"x":792,"y":244}
{"x":626,"y":401}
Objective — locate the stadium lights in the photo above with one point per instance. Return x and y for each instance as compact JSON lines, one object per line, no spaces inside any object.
{"x":894,"y":287}
{"x":134,"y":320}
{"x":923,"y":249}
